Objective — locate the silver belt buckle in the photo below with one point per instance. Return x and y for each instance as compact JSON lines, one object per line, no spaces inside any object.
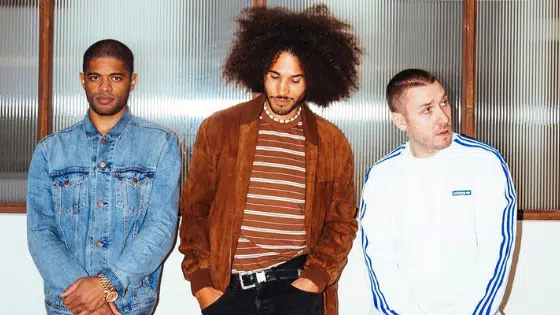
{"x":260,"y":275}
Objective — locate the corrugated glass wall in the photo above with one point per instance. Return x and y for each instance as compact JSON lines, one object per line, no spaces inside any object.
{"x":518,"y":108}
{"x":19,"y":66}
{"x":180,"y":46}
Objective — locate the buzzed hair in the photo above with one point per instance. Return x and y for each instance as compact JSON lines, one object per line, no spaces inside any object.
{"x":110,"y":48}
{"x":404,"y":80}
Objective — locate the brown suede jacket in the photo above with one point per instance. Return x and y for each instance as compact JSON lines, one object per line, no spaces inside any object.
{"x":215,"y":193}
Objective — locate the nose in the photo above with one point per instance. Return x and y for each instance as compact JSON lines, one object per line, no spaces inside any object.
{"x":443,"y":115}
{"x":105,"y":85}
{"x":283,"y":87}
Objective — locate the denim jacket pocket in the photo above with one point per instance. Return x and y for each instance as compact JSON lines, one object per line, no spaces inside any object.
{"x":70,"y":192}
{"x":133,"y":189}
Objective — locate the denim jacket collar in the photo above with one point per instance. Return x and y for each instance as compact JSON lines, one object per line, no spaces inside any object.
{"x":114,"y":133}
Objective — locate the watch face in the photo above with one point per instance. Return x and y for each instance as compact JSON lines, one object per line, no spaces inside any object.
{"x":112,"y":297}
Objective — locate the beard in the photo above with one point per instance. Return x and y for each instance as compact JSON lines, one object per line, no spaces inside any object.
{"x":430,"y":142}
{"x":284,"y":111}
{"x":106,"y":110}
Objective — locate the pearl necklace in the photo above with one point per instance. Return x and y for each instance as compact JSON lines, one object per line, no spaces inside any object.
{"x":282,"y":121}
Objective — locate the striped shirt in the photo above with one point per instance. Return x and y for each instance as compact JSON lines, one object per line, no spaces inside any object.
{"x":273,"y":230}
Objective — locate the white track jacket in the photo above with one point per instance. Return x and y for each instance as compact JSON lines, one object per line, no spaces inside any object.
{"x":438,"y":233}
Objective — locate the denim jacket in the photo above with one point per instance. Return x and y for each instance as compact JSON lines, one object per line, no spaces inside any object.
{"x":104,"y":204}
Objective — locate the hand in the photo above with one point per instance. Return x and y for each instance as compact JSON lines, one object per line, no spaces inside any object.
{"x":105,"y":309}
{"x":206,"y":296}
{"x":84,"y":296}
{"x":114,"y":309}
{"x":305,"y":285}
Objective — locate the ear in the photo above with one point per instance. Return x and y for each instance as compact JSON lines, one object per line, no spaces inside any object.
{"x":399,"y":120}
{"x":83,"y":80}
{"x":133,"y":81}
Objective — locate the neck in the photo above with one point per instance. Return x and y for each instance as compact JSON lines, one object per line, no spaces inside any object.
{"x":104,"y":124}
{"x":420,"y":152}
{"x":291,"y":116}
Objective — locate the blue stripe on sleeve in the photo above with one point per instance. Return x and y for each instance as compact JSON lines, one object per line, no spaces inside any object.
{"x":379,"y":300}
{"x":508,"y":220}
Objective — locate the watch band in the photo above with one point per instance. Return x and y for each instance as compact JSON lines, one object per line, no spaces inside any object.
{"x":110,"y":294}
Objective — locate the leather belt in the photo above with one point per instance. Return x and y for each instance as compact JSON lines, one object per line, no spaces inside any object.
{"x":289,"y":270}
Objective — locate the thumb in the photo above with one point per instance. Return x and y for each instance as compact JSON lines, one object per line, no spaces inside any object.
{"x":70,"y":289}
{"x":114,"y":309}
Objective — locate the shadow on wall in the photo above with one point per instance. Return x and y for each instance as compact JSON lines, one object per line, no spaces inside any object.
{"x":513,"y":271}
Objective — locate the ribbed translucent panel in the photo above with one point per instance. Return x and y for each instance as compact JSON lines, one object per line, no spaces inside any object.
{"x":19,"y":50}
{"x":179,"y":48}
{"x":518,"y":107}
{"x":395,"y":35}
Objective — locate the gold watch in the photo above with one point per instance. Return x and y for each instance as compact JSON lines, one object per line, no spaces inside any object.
{"x":109,"y":292}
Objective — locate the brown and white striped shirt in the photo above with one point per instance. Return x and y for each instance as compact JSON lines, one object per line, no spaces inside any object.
{"x":273,"y":229}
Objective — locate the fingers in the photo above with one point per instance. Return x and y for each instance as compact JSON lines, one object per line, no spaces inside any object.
{"x":70,"y":289}
{"x":76,"y":307}
{"x":114,"y":309}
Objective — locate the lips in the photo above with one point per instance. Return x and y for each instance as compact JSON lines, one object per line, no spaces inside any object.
{"x":105,"y":100}
{"x":281,"y":101}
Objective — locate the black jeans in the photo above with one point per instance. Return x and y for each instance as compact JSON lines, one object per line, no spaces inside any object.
{"x":270,"y":298}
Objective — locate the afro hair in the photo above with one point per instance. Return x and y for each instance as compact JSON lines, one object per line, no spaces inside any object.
{"x":328,"y":51}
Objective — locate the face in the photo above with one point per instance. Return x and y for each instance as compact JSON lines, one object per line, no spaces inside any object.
{"x":425,"y":114}
{"x":284,"y":85}
{"x":107,"y":83}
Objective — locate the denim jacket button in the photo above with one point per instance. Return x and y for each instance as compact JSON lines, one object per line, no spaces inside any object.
{"x":100,"y":203}
{"x":99,"y":244}
{"x":102,"y":164}
{"x":66,"y":182}
{"x":135,"y":180}
{"x":103,"y":141}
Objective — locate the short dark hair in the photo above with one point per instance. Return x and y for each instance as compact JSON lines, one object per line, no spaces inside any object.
{"x":325,"y":46}
{"x":404,"y":80}
{"x":109,"y":48}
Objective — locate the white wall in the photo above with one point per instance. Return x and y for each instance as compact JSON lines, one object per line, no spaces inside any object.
{"x":534,"y":289}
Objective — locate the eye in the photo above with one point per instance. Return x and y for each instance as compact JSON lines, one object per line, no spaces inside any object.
{"x":274,"y":76}
{"x":296,"y":81}
{"x":444,"y":103}
{"x":116,"y":78}
{"x":427,"y":110}
{"x":93,"y":77}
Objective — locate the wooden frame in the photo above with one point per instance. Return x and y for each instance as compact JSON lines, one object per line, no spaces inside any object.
{"x":538,"y":215}
{"x":468,"y":105}
{"x":46,"y":41}
{"x":44,"y":113}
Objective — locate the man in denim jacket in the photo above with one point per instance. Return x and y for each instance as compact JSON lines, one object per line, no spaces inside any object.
{"x":102,"y":199}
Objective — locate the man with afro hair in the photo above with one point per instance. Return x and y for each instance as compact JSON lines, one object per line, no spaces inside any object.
{"x":269,"y":203}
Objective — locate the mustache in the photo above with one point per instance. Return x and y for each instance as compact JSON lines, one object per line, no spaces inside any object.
{"x":103,"y":95}
{"x":280,"y":97}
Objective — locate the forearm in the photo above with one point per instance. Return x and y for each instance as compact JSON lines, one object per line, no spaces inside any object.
{"x":198,"y":195}
{"x":194,"y":245}
{"x":46,"y":249}
{"x":57,"y":266}
{"x":143,"y":256}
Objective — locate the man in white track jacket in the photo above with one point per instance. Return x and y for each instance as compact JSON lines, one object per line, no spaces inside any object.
{"x":437,"y":214}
